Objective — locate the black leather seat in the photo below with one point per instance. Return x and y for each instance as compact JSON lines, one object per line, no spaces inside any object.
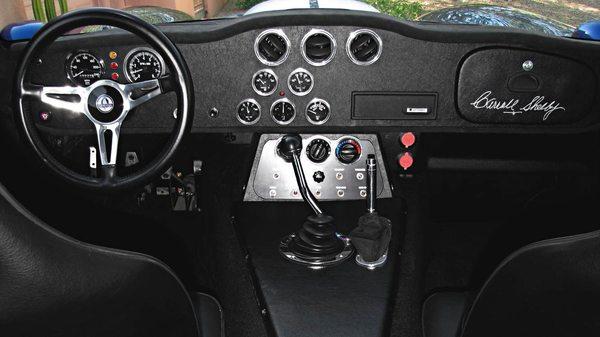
{"x":548,"y":288}
{"x":53,"y":285}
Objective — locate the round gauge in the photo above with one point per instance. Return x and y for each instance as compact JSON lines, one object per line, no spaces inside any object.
{"x":143,"y":64}
{"x":318,"y":111}
{"x":283,"y":111}
{"x":83,"y":68}
{"x":300,"y":82}
{"x":264,"y":82}
{"x":248,"y":111}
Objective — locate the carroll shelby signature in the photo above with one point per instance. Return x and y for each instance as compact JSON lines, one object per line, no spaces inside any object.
{"x":512,"y":107}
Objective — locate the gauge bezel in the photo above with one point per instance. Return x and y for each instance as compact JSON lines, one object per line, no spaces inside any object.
{"x":260,"y":93}
{"x":312,"y":32}
{"x":314,"y":100}
{"x":312,"y":82}
{"x":288,"y":45}
{"x":349,"y":42}
{"x":134,"y":51}
{"x":72,"y":55}
{"x":253,"y":101}
{"x":285,"y":99}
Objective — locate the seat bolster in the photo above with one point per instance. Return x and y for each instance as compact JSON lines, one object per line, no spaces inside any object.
{"x":209,"y":314}
{"x":442,"y":314}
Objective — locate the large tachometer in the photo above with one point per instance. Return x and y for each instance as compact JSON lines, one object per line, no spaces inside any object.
{"x":143,"y":64}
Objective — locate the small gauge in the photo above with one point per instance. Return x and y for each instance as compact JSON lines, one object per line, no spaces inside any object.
{"x":283,"y":111}
{"x":83,"y":68}
{"x":264,"y":82}
{"x":318,"y":111}
{"x":300,"y":82}
{"x":248,"y":111}
{"x":143,"y":64}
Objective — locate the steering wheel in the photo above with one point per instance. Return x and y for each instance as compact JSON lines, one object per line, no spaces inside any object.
{"x":106,"y":103}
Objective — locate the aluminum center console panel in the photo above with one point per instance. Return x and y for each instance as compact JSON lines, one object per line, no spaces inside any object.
{"x":272,"y":178}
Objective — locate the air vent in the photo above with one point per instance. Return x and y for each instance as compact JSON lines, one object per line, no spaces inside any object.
{"x":272,"y":47}
{"x":364,"y":47}
{"x":318,"y":47}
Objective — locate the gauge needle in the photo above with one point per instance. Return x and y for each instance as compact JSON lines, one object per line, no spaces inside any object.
{"x":79,"y":73}
{"x":298,"y":79}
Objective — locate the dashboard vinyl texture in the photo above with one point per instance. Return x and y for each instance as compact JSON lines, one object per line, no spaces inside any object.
{"x":472,"y":78}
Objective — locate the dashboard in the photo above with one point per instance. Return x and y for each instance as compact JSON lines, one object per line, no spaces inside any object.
{"x":302,"y":71}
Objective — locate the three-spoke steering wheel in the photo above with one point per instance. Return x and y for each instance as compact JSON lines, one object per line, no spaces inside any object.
{"x":106,"y":103}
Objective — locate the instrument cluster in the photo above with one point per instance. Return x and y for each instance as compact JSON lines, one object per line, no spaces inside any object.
{"x":318,"y":48}
{"x":84,"y":67}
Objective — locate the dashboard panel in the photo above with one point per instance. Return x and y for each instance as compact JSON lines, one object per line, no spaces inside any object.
{"x":318,"y":73}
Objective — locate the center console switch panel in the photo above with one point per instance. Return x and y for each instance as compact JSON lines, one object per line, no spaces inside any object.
{"x":334,"y":165}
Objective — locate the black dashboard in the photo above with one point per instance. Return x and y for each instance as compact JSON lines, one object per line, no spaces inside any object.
{"x":259,"y":74}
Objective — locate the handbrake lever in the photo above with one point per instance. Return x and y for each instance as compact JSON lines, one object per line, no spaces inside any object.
{"x":372,"y":236}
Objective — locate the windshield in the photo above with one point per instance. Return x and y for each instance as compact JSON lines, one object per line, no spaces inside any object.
{"x":544,"y":16}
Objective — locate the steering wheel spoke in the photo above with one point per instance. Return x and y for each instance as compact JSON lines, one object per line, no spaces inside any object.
{"x":108,"y":142}
{"x":61,"y":97}
{"x":141,"y":92}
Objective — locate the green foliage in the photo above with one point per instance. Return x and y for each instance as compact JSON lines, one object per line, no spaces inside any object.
{"x":247,"y":4}
{"x":47,"y":11}
{"x":399,"y":8}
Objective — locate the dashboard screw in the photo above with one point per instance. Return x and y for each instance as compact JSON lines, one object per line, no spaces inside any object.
{"x":528,"y":65}
{"x":213,"y":113}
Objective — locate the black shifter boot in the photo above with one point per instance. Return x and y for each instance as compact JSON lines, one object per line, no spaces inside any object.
{"x":316,"y":240}
{"x":371,"y":237}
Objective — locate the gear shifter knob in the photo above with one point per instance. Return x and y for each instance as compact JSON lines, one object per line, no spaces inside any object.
{"x":289,"y":145}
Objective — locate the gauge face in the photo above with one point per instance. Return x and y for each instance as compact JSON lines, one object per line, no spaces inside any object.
{"x":248,"y":111}
{"x":283,"y":111}
{"x":300,"y":82}
{"x":143,"y":64}
{"x":318,"y":111}
{"x":83,"y":68}
{"x":264,"y":82}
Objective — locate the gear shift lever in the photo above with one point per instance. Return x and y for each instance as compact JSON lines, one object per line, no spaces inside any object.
{"x":316,"y":243}
{"x":290,"y":148}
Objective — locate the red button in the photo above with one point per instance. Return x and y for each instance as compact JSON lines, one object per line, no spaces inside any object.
{"x":408,"y":139}
{"x":114,"y":65}
{"x":114,"y":76}
{"x":406,"y":160}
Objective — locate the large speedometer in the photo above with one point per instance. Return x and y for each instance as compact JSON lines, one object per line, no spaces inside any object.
{"x":143,"y":64}
{"x":83,"y":68}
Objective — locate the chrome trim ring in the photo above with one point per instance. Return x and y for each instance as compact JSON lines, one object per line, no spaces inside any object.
{"x":137,"y":50}
{"x":349,"y":42}
{"x":314,"y":100}
{"x":312,"y":32}
{"x":312,"y":82}
{"x":267,"y":70}
{"x":287,"y":50}
{"x":253,"y":101}
{"x":285,"y":99}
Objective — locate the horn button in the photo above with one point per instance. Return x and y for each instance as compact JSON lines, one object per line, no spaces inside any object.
{"x":105,"y":104}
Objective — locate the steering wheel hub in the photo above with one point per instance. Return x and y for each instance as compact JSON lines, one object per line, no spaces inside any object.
{"x":105,"y":104}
